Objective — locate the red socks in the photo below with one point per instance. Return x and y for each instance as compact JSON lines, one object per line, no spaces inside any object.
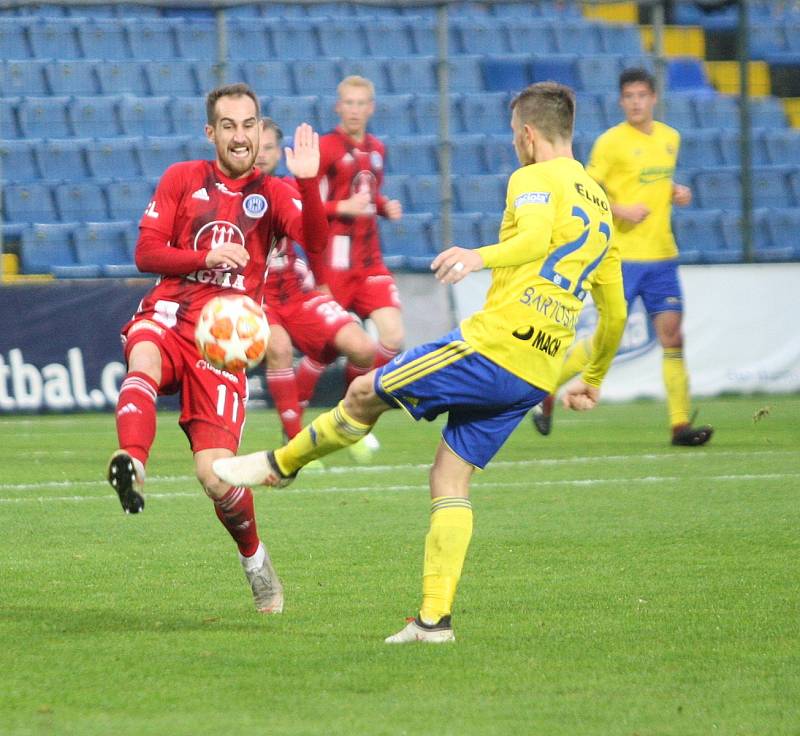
{"x":308,"y":373}
{"x":383,"y":355}
{"x":283,"y":387}
{"x":136,"y":415}
{"x":236,"y":512}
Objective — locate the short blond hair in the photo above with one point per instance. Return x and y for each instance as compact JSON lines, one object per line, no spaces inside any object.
{"x":354,"y":80}
{"x":549,"y":107}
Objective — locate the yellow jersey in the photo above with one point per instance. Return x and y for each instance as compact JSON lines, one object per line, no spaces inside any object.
{"x":637,"y":168}
{"x":555,"y":246}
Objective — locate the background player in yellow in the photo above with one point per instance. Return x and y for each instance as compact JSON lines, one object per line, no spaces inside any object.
{"x":555,"y":246}
{"x":635,"y":162}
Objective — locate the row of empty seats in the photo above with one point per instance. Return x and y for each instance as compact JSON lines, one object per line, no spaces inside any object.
{"x":403,"y":114}
{"x":172,"y":39}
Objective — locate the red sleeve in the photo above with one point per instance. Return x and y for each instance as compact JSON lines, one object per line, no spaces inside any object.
{"x":154,"y":255}
{"x":305,"y":224}
{"x":328,"y":145}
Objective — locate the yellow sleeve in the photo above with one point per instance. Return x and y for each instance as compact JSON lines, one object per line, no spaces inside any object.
{"x":600,"y":160}
{"x":612,"y":311}
{"x":530,"y":200}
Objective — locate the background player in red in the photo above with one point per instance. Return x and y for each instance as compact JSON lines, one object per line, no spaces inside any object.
{"x":208,"y":232}
{"x":302,"y":316}
{"x":351,"y":174}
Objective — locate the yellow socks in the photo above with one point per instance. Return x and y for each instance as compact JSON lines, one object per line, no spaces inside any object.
{"x":676,"y":382}
{"x":330,"y":431}
{"x":577,"y":359}
{"x":445,"y":549}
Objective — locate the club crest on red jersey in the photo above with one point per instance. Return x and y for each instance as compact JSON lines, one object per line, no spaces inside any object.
{"x":216,"y":234}
{"x":255,"y":205}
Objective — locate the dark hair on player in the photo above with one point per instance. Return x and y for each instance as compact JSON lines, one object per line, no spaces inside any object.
{"x":240,"y":89}
{"x":637,"y":74}
{"x":549,"y":107}
{"x":270,"y":124}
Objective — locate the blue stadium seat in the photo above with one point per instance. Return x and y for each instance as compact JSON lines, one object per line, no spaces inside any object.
{"x":697,"y":231}
{"x":590,"y":116}
{"x":389,"y":36}
{"x":145,"y":115}
{"x":172,"y":78}
{"x":598,"y":72}
{"x":199,"y":149}
{"x":426,"y":112}
{"x":123,"y":78}
{"x":94,"y":117}
{"x":80,"y":202}
{"x":91,"y":11}
{"x":715,"y":111}
{"x":688,"y":73}
{"x":577,"y":38}
{"x":557,"y":68}
{"x":289,"y":112}
{"x":582,"y":146}
{"x":679,"y":111}
{"x":14,"y":38}
{"x":465,"y":231}
{"x":407,"y":242}
{"x":783,"y":226}
{"x":72,"y":77}
{"x":54,"y":38}
{"x":104,"y":39}
{"x":23,"y":78}
{"x":29,"y":202}
{"x":127,"y":199}
{"x":465,"y":74}
{"x":730,"y":144}
{"x":284,"y":10}
{"x":41,"y":117}
{"x":489,"y":228}
{"x":327,"y":118}
{"x":188,"y":115}
{"x":424,"y":35}
{"x":293,"y":39}
{"x":395,"y":186}
{"x":718,"y":189}
{"x":131,"y":10}
{"x":467,"y":154}
{"x":274,"y":76}
{"x":516,"y":11}
{"x":251,"y":41}
{"x":158,"y":152}
{"x":416,"y":154}
{"x":732,"y":232}
{"x":700,"y":149}
{"x":412,"y":74}
{"x":329,"y":10}
{"x":207,"y":74}
{"x":611,"y":108}
{"x":509,"y":73}
{"x":152,"y":40}
{"x":46,"y":246}
{"x":424,"y":193}
{"x":481,"y":192}
{"x":342,"y":37}
{"x":18,"y":161}
{"x":620,"y":39}
{"x":114,"y":158}
{"x":771,"y":187}
{"x":373,"y":68}
{"x":103,"y":244}
{"x":376,"y":11}
{"x":793,"y":35}
{"x":482,"y":36}
{"x":767,"y":112}
{"x":314,"y":76}
{"x":766,"y":39}
{"x":393,"y":115}
{"x":486,"y":113}
{"x":63,"y":159}
{"x":783,"y":146}
{"x":531,"y":36}
{"x":197,"y":39}
{"x":244,"y":13}
{"x":9,"y":127}
{"x":500,"y":155}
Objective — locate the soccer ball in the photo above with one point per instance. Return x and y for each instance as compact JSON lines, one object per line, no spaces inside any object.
{"x":232,"y":333}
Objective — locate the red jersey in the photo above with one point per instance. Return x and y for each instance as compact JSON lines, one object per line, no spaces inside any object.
{"x":348,"y":166}
{"x":197,"y":208}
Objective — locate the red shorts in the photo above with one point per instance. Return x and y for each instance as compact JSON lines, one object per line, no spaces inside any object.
{"x":312,"y":320}
{"x":212,"y":401}
{"x":363,"y":293}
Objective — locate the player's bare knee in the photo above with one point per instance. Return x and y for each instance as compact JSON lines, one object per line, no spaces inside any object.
{"x":279,"y":353}
{"x":362,"y":352}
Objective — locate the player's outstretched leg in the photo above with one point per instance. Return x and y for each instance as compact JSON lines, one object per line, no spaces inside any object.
{"x":542,"y":415}
{"x":255,"y":469}
{"x":416,"y":630}
{"x":264,"y":582}
{"x":126,"y":476}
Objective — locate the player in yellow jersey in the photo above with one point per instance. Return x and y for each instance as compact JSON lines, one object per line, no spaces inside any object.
{"x":634,"y":162}
{"x":555,"y":246}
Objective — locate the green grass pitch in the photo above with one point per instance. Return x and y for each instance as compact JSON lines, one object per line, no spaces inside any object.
{"x":615,"y":585}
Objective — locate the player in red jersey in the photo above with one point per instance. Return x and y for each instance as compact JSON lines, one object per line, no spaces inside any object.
{"x":301,"y":315}
{"x":208,"y":231}
{"x":351,"y":174}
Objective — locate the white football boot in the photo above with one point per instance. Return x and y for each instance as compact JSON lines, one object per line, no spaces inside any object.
{"x":264,"y":581}
{"x":415,"y":630}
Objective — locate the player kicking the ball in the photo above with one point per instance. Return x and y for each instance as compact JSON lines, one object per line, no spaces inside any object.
{"x":555,"y":246}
